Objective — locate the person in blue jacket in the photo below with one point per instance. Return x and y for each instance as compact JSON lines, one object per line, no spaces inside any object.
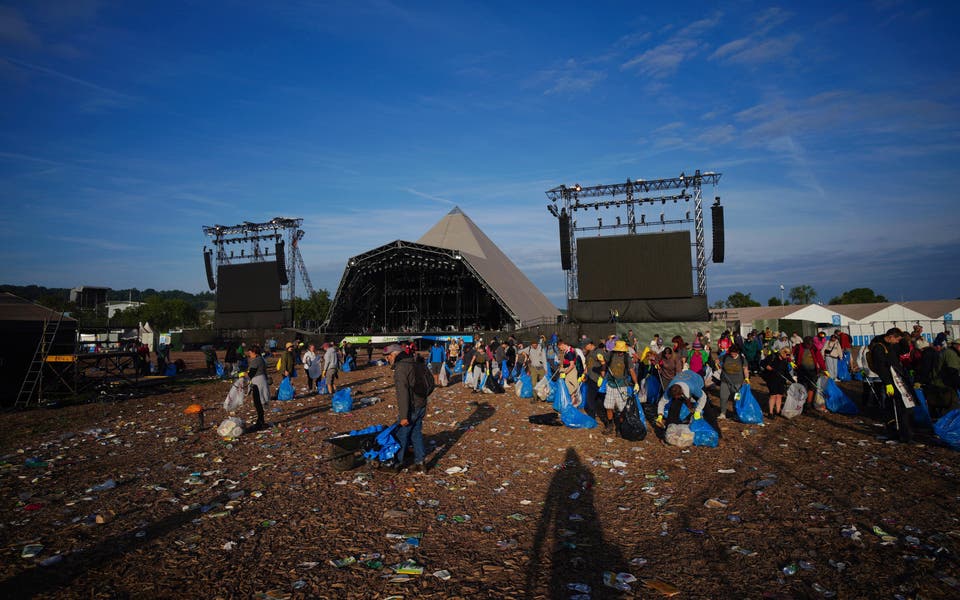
{"x":686,"y":389}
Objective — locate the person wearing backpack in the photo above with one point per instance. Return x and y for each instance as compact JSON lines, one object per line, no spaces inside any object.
{"x":414,"y":384}
{"x":809,"y":363}
{"x":734,"y":372}
{"x":593,"y":377}
{"x":618,"y":373}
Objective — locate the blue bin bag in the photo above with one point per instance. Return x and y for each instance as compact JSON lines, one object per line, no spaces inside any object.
{"x":921,"y":412}
{"x":526,"y":386}
{"x":220,"y":371}
{"x":285,"y":391}
{"x":458,"y":366}
{"x":342,"y":401}
{"x":570,"y":415}
{"x":843,"y":368}
{"x":171,"y":370}
{"x":858,"y":376}
{"x":837,"y":401}
{"x":947,"y":428}
{"x":346,"y":367}
{"x":703,"y":434}
{"x":389,"y":446}
{"x":684,"y":411}
{"x":748,"y":410}
{"x":654,"y":388}
{"x":322,"y":386}
{"x":603,"y":388}
{"x":366,"y":430}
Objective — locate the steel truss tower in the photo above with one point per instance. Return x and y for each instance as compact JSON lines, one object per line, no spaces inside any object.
{"x":250,"y":242}
{"x":631,"y":194}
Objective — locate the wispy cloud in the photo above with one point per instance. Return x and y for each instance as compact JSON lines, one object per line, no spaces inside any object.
{"x":102,"y":244}
{"x":665,"y":59}
{"x":100,"y":98}
{"x":14,"y":29}
{"x":571,"y":77}
{"x":760,"y":46}
{"x":430,"y":197}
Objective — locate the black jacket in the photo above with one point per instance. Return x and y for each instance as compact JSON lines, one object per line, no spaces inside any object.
{"x":884,"y":357}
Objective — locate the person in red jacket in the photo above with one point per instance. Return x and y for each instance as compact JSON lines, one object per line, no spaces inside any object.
{"x":809,"y":364}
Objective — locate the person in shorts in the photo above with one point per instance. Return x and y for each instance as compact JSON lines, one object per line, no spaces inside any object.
{"x":618,"y":373}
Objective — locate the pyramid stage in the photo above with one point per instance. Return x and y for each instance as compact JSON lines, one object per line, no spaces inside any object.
{"x":454,"y":278}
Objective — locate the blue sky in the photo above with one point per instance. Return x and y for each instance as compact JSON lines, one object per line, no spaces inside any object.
{"x":127,"y":126}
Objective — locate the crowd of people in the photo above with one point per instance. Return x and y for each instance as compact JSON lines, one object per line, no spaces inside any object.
{"x":602,"y":376}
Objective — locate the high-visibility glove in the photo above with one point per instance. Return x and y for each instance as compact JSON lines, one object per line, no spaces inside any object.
{"x":241,"y":374}
{"x":793,"y":365}
{"x":889,"y":389}
{"x":563,"y":375}
{"x":659,"y":421}
{"x":636,"y":389}
{"x":697,"y":416}
{"x":747,"y":381}
{"x":917,"y":385}
{"x":827,"y":373}
{"x":581,"y":378}
{"x":600,"y":382}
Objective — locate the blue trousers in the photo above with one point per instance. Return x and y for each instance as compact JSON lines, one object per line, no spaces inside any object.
{"x":412,"y":433}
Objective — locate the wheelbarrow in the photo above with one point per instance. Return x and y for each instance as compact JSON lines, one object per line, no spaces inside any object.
{"x":348,"y":450}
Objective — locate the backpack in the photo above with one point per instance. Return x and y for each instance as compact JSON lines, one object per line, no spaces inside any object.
{"x":423,"y":384}
{"x":618,"y":366}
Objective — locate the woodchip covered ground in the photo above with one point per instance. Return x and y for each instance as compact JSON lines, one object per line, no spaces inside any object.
{"x":813,"y":507}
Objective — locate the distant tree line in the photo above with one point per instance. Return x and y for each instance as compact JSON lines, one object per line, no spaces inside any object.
{"x":801,"y":294}
{"x":163,"y":309}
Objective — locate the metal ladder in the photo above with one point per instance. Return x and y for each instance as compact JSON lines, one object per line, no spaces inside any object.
{"x":35,"y":373}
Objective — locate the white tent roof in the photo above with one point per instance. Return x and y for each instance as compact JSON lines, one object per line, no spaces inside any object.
{"x":456,"y":231}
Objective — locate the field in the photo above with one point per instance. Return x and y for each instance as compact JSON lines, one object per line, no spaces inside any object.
{"x":817,"y":506}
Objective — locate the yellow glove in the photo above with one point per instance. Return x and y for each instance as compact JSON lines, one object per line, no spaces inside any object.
{"x":917,"y":386}
{"x":827,"y":373}
{"x":563,"y":375}
{"x":747,"y":381}
{"x":600,"y":382}
{"x":581,"y":378}
{"x":636,"y":388}
{"x":241,"y":374}
{"x":659,"y":421}
{"x":890,"y":389}
{"x":697,"y":416}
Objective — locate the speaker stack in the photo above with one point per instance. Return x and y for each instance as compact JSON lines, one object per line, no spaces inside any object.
{"x":717,"y":231}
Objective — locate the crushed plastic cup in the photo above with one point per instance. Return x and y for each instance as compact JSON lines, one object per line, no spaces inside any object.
{"x":790,"y":569}
{"x":31,"y":550}
{"x":579,"y":587}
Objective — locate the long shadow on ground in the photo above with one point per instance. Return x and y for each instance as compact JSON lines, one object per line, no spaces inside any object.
{"x":559,"y":557}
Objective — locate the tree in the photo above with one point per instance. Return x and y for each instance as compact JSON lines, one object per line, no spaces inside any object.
{"x":719,"y":304}
{"x":314,"y":308}
{"x":858,"y":296}
{"x":740,"y":300}
{"x":160,"y":313}
{"x":774,"y":301}
{"x":802,"y":294}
